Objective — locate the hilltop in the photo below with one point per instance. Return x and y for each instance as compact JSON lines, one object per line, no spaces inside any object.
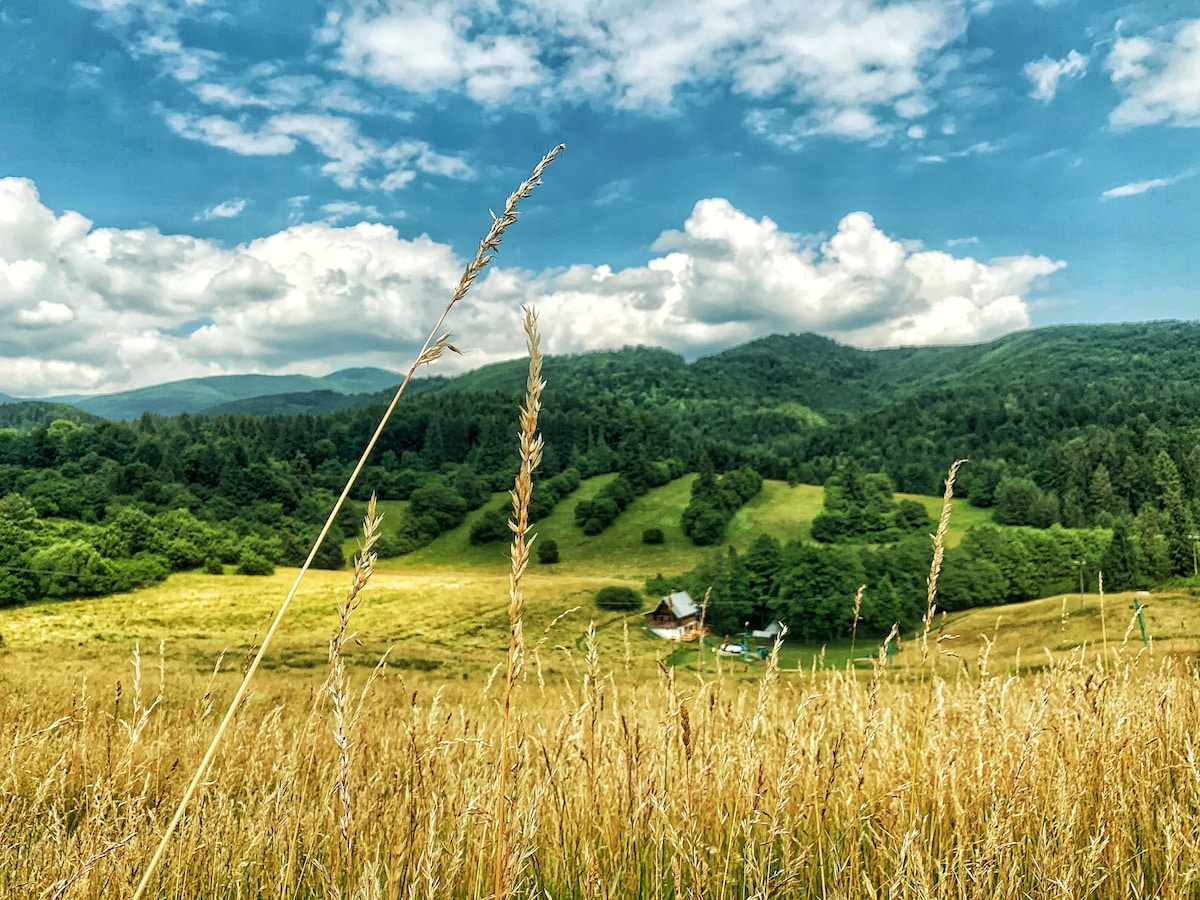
{"x":829,"y":378}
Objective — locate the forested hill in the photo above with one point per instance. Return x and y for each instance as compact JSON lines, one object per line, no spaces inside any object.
{"x":837,"y":380}
{"x":831,"y":379}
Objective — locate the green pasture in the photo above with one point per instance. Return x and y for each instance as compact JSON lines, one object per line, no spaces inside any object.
{"x":781,"y":511}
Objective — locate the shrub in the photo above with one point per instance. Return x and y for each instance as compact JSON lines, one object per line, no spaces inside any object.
{"x":212,"y":566}
{"x":330,"y":554}
{"x":131,"y":574}
{"x":183,"y":554}
{"x":547,"y":552}
{"x":618,"y":599}
{"x":913,"y":516}
{"x":252,"y":563}
{"x":491,"y":526}
{"x":653,"y":536}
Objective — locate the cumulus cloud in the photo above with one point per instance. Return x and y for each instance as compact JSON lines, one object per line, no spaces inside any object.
{"x":1158,"y":75}
{"x":726,"y":278}
{"x":1046,"y":73}
{"x":102,"y":309}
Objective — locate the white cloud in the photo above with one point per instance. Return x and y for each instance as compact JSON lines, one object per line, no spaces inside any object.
{"x":1046,"y":73}
{"x":228,"y":209}
{"x":338,"y":210}
{"x":351,"y":159}
{"x":840,"y":68}
{"x":963,"y":241}
{"x":979,"y":148}
{"x":217,"y":131}
{"x":336,"y":138}
{"x":727,"y":278}
{"x":1133,"y":188}
{"x":268,"y":109}
{"x":1158,"y":76}
{"x":426,"y":49}
{"x":101,"y":308}
{"x":186,"y":64}
{"x":46,"y":313}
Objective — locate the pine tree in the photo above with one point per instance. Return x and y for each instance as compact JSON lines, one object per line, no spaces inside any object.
{"x":1119,"y":563}
{"x":1179,"y":526}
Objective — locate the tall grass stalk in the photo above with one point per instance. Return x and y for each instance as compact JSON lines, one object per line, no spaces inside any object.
{"x":337,"y":687}
{"x":531,"y":457}
{"x":928,"y":663}
{"x":435,"y":345}
{"x":939,"y":553}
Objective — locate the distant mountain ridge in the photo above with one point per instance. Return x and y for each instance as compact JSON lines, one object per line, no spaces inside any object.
{"x":833,"y":378}
{"x":829,"y":378}
{"x":197,"y":395}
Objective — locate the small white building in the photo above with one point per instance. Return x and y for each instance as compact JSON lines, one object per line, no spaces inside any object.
{"x":769,"y":633}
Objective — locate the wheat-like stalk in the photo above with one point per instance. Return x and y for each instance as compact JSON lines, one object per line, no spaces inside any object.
{"x":703,"y":615}
{"x":939,"y":553}
{"x":434,"y":345}
{"x":531,"y":457}
{"x":345,"y":714}
{"x":858,"y":595}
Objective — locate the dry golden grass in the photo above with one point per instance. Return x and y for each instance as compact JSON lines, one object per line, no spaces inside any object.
{"x":1080,"y":780}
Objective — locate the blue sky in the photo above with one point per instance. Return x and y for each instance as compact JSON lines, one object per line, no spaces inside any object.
{"x":193,"y":187}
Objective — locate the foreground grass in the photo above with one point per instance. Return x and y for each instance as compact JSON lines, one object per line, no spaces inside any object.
{"x":1039,"y":751}
{"x":1079,"y":780}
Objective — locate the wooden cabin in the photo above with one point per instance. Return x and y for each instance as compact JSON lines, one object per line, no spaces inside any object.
{"x":676,"y":618}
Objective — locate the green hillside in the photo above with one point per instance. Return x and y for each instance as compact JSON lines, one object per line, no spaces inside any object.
{"x":808,"y":369}
{"x":783,"y":512}
{"x":25,"y":414}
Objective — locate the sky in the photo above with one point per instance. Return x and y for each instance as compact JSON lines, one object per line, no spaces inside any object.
{"x":204,"y":187}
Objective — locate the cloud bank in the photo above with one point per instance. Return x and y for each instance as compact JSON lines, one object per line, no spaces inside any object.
{"x":852,"y":69}
{"x":100,"y":309}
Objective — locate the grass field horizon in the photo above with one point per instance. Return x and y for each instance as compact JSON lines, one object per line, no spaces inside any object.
{"x":439,"y":610}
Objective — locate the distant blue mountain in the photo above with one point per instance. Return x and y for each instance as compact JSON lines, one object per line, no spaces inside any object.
{"x":195,"y":395}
